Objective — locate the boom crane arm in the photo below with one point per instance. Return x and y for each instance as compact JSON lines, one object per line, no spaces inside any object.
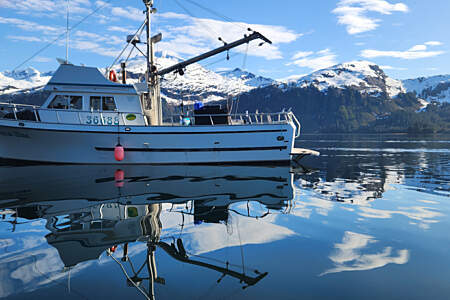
{"x":180,"y":66}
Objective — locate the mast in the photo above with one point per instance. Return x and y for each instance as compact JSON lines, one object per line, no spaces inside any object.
{"x":67,"y":34}
{"x":148,"y":12}
{"x":152,"y":103}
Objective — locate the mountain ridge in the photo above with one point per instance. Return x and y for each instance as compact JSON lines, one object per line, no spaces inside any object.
{"x":199,"y":83}
{"x":355,"y":96}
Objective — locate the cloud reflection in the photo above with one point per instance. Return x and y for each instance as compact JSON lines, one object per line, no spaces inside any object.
{"x":419,"y":214}
{"x":348,"y":256}
{"x":31,"y":265}
{"x":238,"y":231}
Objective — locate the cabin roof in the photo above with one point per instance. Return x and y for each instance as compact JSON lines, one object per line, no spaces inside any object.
{"x":79,"y":76}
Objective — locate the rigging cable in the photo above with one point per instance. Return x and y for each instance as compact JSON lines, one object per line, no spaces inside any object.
{"x":244,"y":63}
{"x":63,"y":34}
{"x":193,"y":16}
{"x":225,"y":18}
{"x":240,"y":246}
{"x":212,"y":63}
{"x":138,"y":32}
{"x":50,"y":279}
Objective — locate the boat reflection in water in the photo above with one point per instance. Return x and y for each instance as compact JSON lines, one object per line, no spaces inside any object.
{"x":92,"y":209}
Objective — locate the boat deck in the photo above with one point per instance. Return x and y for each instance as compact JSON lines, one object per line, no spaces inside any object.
{"x":302,"y":152}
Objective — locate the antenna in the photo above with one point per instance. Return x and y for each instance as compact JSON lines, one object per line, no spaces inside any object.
{"x":67,"y":34}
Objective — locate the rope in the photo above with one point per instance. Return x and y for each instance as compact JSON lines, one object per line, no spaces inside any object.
{"x":244,"y":63}
{"x":63,"y":34}
{"x":52,"y":280}
{"x":129,"y":279}
{"x":240,"y":246}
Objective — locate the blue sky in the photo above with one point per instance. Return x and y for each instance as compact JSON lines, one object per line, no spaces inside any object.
{"x":407,"y":38}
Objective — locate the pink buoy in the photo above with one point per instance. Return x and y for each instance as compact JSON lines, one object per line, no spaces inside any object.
{"x":119,"y":152}
{"x":119,"y":177}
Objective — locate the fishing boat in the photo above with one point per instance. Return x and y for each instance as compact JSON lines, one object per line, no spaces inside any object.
{"x":90,"y":118}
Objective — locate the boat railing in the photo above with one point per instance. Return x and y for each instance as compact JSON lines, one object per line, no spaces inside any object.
{"x":234,"y":119}
{"x":60,"y":116}
{"x":26,"y":112}
{"x":10,"y":110}
{"x":294,"y":120}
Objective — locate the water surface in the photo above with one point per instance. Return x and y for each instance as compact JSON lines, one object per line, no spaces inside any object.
{"x":369,"y":219}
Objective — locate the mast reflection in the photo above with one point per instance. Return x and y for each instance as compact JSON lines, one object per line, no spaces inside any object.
{"x":97,"y":213}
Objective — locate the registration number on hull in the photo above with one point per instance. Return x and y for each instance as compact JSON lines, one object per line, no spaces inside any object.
{"x":97,"y":120}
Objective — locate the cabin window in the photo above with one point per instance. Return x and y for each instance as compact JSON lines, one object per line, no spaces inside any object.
{"x":108,"y":103}
{"x":76,"y":102}
{"x":96,"y":103}
{"x":66,"y":102}
{"x":59,"y":102}
{"x":104,"y":103}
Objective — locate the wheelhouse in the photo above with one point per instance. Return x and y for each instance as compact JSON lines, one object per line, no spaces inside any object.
{"x":82,"y":95}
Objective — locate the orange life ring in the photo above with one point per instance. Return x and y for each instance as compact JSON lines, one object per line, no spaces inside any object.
{"x":113,"y":76}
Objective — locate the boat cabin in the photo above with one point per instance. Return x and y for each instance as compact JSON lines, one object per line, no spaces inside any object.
{"x":82,"y":95}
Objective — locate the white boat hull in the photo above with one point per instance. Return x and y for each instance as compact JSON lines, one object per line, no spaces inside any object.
{"x":65,"y":143}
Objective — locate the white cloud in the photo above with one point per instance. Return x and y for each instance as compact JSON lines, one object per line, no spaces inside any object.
{"x":80,"y":40}
{"x":433,"y":43}
{"x":386,"y":67}
{"x":47,"y":7}
{"x":188,"y":36}
{"x":104,"y":38}
{"x":194,"y":36}
{"x":24,"y":38}
{"x":122,"y":29}
{"x":94,"y":48}
{"x":369,"y":53}
{"x":418,"y":48}
{"x":42,"y":59}
{"x":354,"y":13}
{"x":302,"y":54}
{"x":128,"y":12}
{"x":314,"y":61}
{"x":415,"y":52}
{"x":172,"y":15}
{"x":30,"y":26}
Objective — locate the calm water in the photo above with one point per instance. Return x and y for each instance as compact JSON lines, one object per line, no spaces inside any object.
{"x":368,"y":219}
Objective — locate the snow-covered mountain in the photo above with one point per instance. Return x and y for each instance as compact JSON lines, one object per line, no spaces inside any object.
{"x":366,"y":77}
{"x":196,"y":83}
{"x":435,"y":88}
{"x":201,"y":83}
{"x":250,"y":79}
{"x":23,"y":80}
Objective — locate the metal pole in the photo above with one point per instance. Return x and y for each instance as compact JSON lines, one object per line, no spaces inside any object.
{"x":67,"y":34}
{"x":180,"y":66}
{"x":148,"y":3}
